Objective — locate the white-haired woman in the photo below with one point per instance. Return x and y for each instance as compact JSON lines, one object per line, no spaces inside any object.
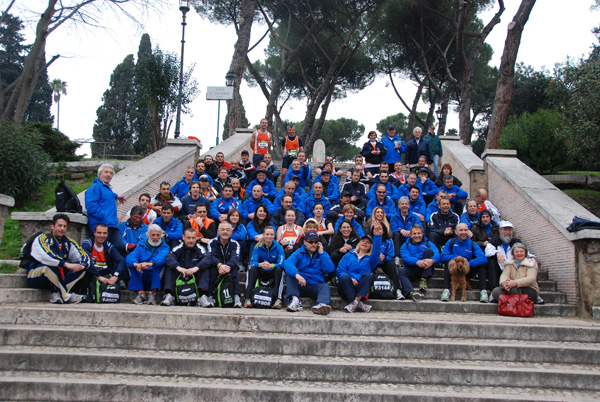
{"x":101,"y":205}
{"x":519,"y":274}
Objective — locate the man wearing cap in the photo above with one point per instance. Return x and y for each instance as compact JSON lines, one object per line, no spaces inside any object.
{"x":395,"y":147}
{"x":357,"y":190}
{"x":415,"y":148}
{"x":206,"y":190}
{"x":337,"y":211}
{"x":305,"y":273}
{"x":267,"y":185}
{"x":435,"y":147}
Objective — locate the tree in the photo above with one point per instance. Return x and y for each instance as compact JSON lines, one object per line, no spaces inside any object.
{"x":58,"y":87}
{"x":507,"y":73}
{"x":339,"y":137}
{"x":57,"y":145}
{"x":398,"y":120}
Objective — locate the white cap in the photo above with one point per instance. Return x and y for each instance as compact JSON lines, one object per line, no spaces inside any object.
{"x":506,"y":224}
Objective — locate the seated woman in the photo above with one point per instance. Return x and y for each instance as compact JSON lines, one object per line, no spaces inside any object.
{"x":349,"y":212}
{"x":519,"y":274}
{"x":387,"y":255}
{"x":239,"y":233}
{"x":262,"y":219}
{"x":266,"y":264}
{"x":344,"y":240}
{"x":205,"y":228}
{"x":355,"y":271}
{"x":446,"y":170}
{"x":325,"y":228}
{"x":288,"y":234}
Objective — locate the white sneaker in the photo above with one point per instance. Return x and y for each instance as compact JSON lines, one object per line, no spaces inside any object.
{"x":237,"y":303}
{"x":168,"y":300}
{"x":397,"y":261}
{"x":294,"y":305}
{"x":74,"y":298}
{"x":204,"y":302}
{"x":56,"y":298}
{"x":399,"y":295}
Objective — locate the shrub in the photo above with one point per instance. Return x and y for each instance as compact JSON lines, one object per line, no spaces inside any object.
{"x":23,"y":162}
{"x":57,"y":145}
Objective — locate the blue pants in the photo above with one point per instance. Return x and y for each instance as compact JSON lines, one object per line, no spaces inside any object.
{"x":436,"y":163}
{"x":45,"y":277}
{"x":348,"y":291}
{"x":320,"y":292}
{"x":410,"y":273}
{"x":147,"y":280}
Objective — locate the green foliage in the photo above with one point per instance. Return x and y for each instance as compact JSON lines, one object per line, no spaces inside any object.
{"x":398,"y":120}
{"x":57,"y":145}
{"x":339,"y":137}
{"x":530,"y":90}
{"x":23,"y":162}
{"x":537,"y":139}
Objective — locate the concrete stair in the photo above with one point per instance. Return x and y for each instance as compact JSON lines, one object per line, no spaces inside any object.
{"x":126,"y":352}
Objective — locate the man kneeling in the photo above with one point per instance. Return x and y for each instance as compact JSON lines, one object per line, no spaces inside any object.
{"x":59,"y":262}
{"x":305,"y":275}
{"x":186,"y":259}
{"x":145,"y":264}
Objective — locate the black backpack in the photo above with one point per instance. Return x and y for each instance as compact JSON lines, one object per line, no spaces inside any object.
{"x":102,"y":293}
{"x":263,"y":294}
{"x":25,"y":252}
{"x":66,"y":199}
{"x":186,"y":291}
{"x":383,"y":287}
{"x":225,"y":291}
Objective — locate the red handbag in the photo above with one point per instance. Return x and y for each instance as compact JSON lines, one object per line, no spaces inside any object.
{"x":515,"y":305}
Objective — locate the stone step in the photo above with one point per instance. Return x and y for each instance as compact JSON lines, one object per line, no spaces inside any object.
{"x":13,"y":281}
{"x":545,"y":286}
{"x":542,"y":275}
{"x":268,"y":321}
{"x":35,"y":385}
{"x":276,"y":367}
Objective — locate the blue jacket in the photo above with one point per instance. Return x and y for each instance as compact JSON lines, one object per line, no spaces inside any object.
{"x":240,"y":233}
{"x":298,"y":196}
{"x":389,"y":207}
{"x":414,"y":151}
{"x":275,"y":255}
{"x":355,"y":225}
{"x":469,"y":220}
{"x":173,"y":230}
{"x":115,"y":263}
{"x":267,"y":186}
{"x":142,"y":253}
{"x":428,"y":188}
{"x":355,"y":267}
{"x":250,"y":205}
{"x":101,"y":205}
{"x":196,"y":178}
{"x":304,"y":173}
{"x":131,"y":235}
{"x":431,"y":208}
{"x":412,"y":253}
{"x":309,"y":203}
{"x":333,"y":189}
{"x":181,"y":188}
{"x":464,"y":249}
{"x":312,"y":269}
{"x":393,"y":155}
{"x":392,"y":191}
{"x":417,"y":206}
{"x":222,"y":206}
{"x":252,"y":230}
{"x":398,"y":222}
{"x":387,"y":248}
{"x":460,"y":193}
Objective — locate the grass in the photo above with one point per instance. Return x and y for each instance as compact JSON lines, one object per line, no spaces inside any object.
{"x":8,"y":268}
{"x":589,"y":199}
{"x":580,"y":172}
{"x":43,"y":200}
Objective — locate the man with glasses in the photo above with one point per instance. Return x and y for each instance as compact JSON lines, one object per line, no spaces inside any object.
{"x":382,"y":200}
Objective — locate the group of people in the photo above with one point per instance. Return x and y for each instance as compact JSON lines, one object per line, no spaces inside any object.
{"x":225,"y":217}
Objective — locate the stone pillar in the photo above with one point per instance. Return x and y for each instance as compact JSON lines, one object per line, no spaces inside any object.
{"x":32,"y":222}
{"x":5,"y":203}
{"x":319,"y":153}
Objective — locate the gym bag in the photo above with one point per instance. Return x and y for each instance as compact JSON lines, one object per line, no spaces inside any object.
{"x":102,"y":293}
{"x":186,"y":291}
{"x":224,"y":291}
{"x":382,"y":288}
{"x":263,"y":294}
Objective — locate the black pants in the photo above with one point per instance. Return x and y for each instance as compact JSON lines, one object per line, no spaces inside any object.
{"x":439,"y":240}
{"x":389,"y":268}
{"x":531,"y":292}
{"x":399,"y":240}
{"x":255,"y":273}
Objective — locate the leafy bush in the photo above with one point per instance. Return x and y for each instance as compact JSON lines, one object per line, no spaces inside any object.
{"x":57,"y":145}
{"x":23,"y":162}
{"x":538,"y":140}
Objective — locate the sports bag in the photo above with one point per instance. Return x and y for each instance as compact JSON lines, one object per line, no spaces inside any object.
{"x":382,"y":288}
{"x":102,"y":293}
{"x":66,"y":199}
{"x":25,"y":252}
{"x":225,"y":291}
{"x":515,"y":305}
{"x":186,"y":291}
{"x":263,"y":294}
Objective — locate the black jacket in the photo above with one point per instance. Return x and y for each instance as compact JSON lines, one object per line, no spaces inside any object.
{"x":369,"y":157}
{"x":185,"y":257}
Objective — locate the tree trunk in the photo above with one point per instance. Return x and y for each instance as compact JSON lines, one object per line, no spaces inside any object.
{"x":506,"y":73}
{"x":234,"y":107}
{"x":21,"y":94}
{"x":412,"y":116}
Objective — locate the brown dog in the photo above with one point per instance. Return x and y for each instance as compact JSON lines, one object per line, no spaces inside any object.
{"x":459,"y":268}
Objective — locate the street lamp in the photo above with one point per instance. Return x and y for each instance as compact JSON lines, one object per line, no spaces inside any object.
{"x":184,"y":7}
{"x":229,"y":81}
{"x":439,"y":113}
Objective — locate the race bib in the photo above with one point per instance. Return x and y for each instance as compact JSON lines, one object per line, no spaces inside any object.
{"x":293,"y":153}
{"x":263,"y":144}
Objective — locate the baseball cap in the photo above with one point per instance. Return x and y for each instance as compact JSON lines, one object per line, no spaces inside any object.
{"x":506,"y":224}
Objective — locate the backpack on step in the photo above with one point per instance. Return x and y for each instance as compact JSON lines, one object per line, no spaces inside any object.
{"x":102,"y":293}
{"x":66,"y":199}
{"x":25,"y":252}
{"x":383,"y":287}
{"x":186,"y":291}
{"x":263,"y":294}
{"x":225,"y":291}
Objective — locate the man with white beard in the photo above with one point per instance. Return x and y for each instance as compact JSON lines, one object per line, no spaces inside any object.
{"x":145,"y":265}
{"x":499,"y":250}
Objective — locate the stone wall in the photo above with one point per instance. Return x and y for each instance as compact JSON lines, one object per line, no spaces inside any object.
{"x":466,"y":166}
{"x":6,"y":202}
{"x":541,"y":213}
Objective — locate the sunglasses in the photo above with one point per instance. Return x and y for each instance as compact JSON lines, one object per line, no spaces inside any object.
{"x":313,"y":242}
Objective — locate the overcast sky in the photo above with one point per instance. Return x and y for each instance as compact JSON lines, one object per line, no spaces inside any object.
{"x":557,"y":29}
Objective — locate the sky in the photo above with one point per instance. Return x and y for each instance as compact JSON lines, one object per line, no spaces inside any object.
{"x":556,"y":29}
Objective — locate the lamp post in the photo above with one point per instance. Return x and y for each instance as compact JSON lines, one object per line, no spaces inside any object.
{"x":184,"y":7}
{"x":229,"y":80}
{"x":439,"y":113}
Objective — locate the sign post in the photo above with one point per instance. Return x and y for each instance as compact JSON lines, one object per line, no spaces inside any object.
{"x":219,"y":94}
